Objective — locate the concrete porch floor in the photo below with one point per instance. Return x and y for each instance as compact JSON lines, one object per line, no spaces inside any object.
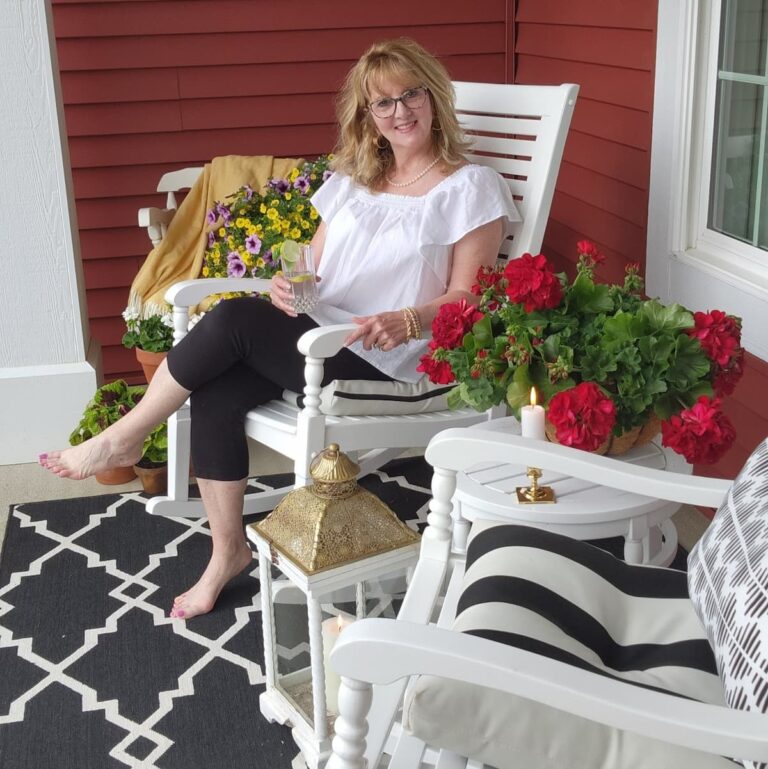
{"x":30,"y":483}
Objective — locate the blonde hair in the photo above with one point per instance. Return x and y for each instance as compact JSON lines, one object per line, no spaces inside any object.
{"x":360,"y":151}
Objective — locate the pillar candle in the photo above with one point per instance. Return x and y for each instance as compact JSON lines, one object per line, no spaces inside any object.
{"x":332,"y":628}
{"x":532,"y":419}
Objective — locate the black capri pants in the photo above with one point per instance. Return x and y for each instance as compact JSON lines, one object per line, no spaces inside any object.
{"x":240,"y":355}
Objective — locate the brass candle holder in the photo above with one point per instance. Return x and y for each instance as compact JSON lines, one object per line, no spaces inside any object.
{"x":534,"y":494}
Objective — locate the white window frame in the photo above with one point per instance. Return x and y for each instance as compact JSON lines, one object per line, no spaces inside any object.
{"x":685,"y":261}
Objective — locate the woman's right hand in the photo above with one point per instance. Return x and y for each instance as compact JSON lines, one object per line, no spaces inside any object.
{"x":281,"y":296}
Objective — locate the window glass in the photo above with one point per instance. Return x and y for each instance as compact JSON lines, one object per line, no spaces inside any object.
{"x":739,"y":189}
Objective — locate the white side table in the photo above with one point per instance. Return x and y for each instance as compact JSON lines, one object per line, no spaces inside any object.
{"x":298,"y":698}
{"x":582,"y":511}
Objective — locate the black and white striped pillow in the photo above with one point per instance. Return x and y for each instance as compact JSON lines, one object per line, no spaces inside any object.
{"x":572,"y":602}
{"x":360,"y":397}
{"x":728,"y":582}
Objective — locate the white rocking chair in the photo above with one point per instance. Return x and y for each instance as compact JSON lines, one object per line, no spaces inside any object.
{"x":516,"y":704}
{"x":518,"y":130}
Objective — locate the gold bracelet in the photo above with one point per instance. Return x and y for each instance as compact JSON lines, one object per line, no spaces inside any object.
{"x":408,"y":326}
{"x":413,"y":323}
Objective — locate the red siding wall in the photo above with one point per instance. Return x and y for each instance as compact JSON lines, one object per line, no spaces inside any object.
{"x":609,"y":50}
{"x":154,"y":85}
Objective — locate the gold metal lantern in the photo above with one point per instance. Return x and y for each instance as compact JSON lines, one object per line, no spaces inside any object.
{"x":333,"y":521}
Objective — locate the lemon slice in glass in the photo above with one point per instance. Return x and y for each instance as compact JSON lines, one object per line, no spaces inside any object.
{"x":290,"y":252}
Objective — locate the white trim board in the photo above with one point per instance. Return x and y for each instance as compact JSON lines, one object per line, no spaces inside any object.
{"x":40,"y":406}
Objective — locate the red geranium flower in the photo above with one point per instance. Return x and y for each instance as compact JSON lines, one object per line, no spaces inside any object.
{"x":452,"y":322}
{"x":530,"y":281}
{"x":487,"y":277}
{"x":702,"y":433}
{"x":438,"y":371}
{"x":588,"y":249}
{"x":718,"y":334}
{"x":583,"y":416}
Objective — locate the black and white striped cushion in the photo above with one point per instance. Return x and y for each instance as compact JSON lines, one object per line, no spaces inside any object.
{"x":728,"y":582}
{"x":361,"y":397}
{"x":569,"y":601}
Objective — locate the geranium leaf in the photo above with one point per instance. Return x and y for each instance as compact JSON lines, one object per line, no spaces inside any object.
{"x":586,"y":296}
{"x":483,"y":333}
{"x":689,"y":364}
{"x":671,"y":318}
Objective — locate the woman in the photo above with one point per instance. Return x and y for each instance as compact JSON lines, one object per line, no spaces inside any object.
{"x":406,"y":223}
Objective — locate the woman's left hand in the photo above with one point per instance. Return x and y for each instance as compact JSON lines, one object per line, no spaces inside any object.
{"x":386,"y":330}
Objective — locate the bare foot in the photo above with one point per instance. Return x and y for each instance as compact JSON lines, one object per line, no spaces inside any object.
{"x":93,"y":456}
{"x":201,"y":597}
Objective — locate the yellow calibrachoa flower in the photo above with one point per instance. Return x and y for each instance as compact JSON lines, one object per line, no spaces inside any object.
{"x":313,"y":214}
{"x":274,"y":203}
{"x":263,"y":208}
{"x":293,"y":175}
{"x":206,"y":271}
{"x":272,"y":214}
{"x":295,"y":233}
{"x":251,"y":230}
{"x":300,"y":207}
{"x":222,"y":232}
{"x":260,"y":263}
{"x":287,"y":195}
{"x":240,"y":222}
{"x":305,"y":225}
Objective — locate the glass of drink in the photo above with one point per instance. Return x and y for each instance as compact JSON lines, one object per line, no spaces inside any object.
{"x":299,"y":268}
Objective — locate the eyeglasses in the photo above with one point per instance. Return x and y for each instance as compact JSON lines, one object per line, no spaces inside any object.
{"x":413,"y":98}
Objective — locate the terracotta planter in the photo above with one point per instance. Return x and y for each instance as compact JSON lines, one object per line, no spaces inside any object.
{"x":149,"y":361}
{"x":620,"y":444}
{"x":115,"y":476}
{"x":154,"y":480}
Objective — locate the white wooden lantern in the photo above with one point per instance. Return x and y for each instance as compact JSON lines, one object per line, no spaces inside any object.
{"x":327,"y":539}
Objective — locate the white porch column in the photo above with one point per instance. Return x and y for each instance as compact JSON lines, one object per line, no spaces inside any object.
{"x":47,"y":372}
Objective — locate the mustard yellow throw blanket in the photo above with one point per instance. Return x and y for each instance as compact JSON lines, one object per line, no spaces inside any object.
{"x":179,"y":256}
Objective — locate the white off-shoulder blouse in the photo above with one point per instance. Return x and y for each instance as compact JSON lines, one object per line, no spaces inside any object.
{"x":384,"y":252}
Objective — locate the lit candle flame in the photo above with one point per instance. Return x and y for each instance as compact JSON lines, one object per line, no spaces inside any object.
{"x":533,"y":396}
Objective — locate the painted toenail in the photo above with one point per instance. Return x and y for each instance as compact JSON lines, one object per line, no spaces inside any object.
{"x":180,"y":612}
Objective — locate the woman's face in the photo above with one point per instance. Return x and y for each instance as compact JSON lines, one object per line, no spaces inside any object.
{"x":409,"y":127}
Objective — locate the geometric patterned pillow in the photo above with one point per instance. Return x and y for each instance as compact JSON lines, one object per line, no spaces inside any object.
{"x":728,"y":585}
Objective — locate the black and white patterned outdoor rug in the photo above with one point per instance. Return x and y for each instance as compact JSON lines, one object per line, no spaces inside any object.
{"x":93,"y":672}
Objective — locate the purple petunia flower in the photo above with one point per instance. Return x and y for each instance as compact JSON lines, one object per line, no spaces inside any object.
{"x":224,"y":213}
{"x":326,"y":174}
{"x":235,"y":267}
{"x":211,"y":239}
{"x":268,"y":258}
{"x":253,"y":244}
{"x":248,"y":191}
{"x":212,"y":216}
{"x":301,"y":184}
{"x":281,"y":185}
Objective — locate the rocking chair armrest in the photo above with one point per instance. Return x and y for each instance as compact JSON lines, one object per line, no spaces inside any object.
{"x":186,"y":293}
{"x":154,"y":216}
{"x":326,"y":341}
{"x":381,"y":651}
{"x":458,"y":449}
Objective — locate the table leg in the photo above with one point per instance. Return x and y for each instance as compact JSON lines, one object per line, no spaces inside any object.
{"x":633,"y":542}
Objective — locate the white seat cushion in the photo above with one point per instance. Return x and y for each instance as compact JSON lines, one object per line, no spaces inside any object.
{"x":360,"y":397}
{"x":572,"y":602}
{"x":728,"y":583}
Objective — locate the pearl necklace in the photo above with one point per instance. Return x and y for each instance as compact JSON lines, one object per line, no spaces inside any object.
{"x":415,"y":178}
